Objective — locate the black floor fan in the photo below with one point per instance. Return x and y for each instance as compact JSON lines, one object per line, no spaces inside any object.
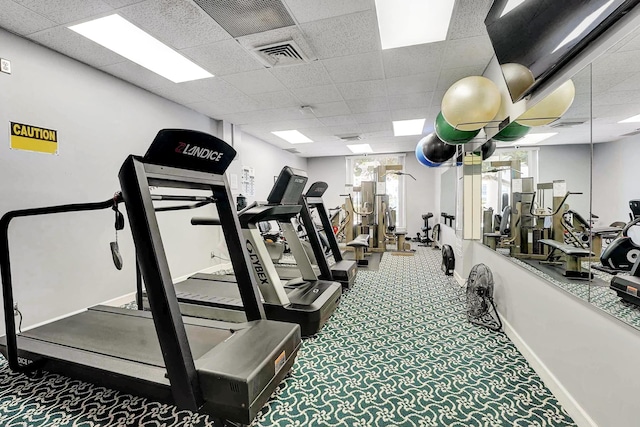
{"x":481,"y":309}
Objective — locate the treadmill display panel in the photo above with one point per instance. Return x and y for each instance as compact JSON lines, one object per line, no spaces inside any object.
{"x":288,"y":187}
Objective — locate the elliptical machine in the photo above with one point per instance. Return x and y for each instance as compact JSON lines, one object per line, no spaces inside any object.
{"x":622,"y":253}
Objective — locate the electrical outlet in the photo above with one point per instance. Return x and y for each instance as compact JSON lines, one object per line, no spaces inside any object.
{"x":5,"y":65}
{"x":15,"y":308}
{"x":213,"y":254}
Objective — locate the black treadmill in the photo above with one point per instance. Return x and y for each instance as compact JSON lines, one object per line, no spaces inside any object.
{"x":628,"y":287}
{"x":226,"y":370}
{"x":306,"y":301}
{"x":342,"y":270}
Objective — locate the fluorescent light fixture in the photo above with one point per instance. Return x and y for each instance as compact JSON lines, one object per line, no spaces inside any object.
{"x":119,"y":35}
{"x":583,"y":25}
{"x":534,"y":138}
{"x":408,"y":127}
{"x":511,"y":4}
{"x":360,"y":148}
{"x":292,"y":136}
{"x":410,"y":22}
{"x":634,"y":119}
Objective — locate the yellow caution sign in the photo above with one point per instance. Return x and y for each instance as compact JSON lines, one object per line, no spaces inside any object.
{"x":33,"y":138}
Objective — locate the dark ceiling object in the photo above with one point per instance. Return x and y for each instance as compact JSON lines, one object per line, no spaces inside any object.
{"x":436,"y":150}
{"x":488,"y":148}
{"x":241,"y":17}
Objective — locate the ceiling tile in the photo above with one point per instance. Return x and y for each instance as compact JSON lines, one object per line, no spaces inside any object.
{"x":449,"y":76}
{"x":616,"y":98}
{"x":135,"y":74}
{"x":266,"y":116}
{"x":367,"y":66}
{"x":368,"y":105}
{"x":331,"y":109}
{"x":377,"y":127}
{"x":375,"y":117}
{"x":253,"y":82}
{"x":469,"y":52}
{"x":180,"y":24}
{"x":223,"y":58}
{"x":223,"y":98}
{"x":64,"y":12}
{"x":76,"y":46}
{"x":343,"y":35}
{"x":176,"y":93}
{"x":468,"y":19}
{"x":617,"y":82}
{"x":121,"y":3}
{"x":411,"y":100}
{"x":317,"y":94}
{"x":313,"y":10}
{"x":411,"y":84}
{"x":338,"y":120}
{"x":285,"y":125}
{"x":20,"y":20}
{"x":278,"y":99}
{"x":404,"y":61}
{"x":344,"y":129}
{"x":364,"y":89}
{"x":303,"y":75}
{"x":616,"y":63}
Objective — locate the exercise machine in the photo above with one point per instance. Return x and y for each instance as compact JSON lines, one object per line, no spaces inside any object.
{"x":622,"y":253}
{"x":226,"y":370}
{"x":306,"y":300}
{"x":628,"y":287}
{"x":341,"y":270}
{"x":424,"y":239}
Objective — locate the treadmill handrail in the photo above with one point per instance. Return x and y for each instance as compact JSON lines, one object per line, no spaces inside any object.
{"x":5,"y":267}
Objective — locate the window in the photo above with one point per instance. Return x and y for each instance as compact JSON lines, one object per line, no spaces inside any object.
{"x":363,"y":168}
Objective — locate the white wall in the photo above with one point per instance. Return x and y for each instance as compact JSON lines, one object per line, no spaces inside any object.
{"x":421,"y":195}
{"x":62,"y":263}
{"x":571,"y":163}
{"x":616,"y":174}
{"x":587,"y":350}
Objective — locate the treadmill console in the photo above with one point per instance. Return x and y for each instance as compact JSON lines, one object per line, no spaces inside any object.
{"x":190,"y":149}
{"x":317,"y":189}
{"x":288,"y":187}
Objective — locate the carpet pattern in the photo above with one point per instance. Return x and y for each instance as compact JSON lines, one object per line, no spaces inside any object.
{"x":397,"y":352}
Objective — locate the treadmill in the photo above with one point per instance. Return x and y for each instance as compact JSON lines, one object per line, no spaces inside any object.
{"x":226,"y":370}
{"x":342,"y":270}
{"x":628,"y":287}
{"x":305,"y":300}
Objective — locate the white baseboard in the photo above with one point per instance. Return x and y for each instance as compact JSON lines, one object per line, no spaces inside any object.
{"x":121,"y":300}
{"x":579,"y":415}
{"x":461,"y":281}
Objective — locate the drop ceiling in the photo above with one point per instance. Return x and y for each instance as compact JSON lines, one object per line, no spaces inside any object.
{"x":352,"y":86}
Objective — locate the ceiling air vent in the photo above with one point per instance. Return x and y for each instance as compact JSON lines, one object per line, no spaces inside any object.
{"x":568,"y":123}
{"x":292,"y":150}
{"x":241,"y":17}
{"x":279,"y":54}
{"x":350,"y":137}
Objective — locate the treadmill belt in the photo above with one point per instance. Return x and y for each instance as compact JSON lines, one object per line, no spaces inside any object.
{"x":217,"y":277}
{"x":123,"y":336}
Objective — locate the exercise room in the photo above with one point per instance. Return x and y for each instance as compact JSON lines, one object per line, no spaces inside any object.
{"x":319,"y":213}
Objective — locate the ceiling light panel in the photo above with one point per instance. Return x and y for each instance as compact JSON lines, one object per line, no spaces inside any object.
{"x":634,"y":119}
{"x":360,"y":148}
{"x":534,"y":138}
{"x":411,"y":22}
{"x":292,"y":136}
{"x":122,"y":37}
{"x":408,"y":127}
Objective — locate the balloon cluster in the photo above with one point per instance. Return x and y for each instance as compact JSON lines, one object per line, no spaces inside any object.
{"x":473,"y":102}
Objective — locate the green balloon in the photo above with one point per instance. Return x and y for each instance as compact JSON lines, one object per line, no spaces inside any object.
{"x":451,"y":135}
{"x":513,"y":132}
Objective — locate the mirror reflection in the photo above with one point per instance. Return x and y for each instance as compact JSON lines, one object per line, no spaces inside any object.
{"x":536,"y":197}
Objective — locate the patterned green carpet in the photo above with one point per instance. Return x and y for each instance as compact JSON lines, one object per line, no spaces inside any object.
{"x":397,"y":352}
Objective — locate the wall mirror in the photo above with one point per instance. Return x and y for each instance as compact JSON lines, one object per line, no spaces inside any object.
{"x":448,"y":195}
{"x":536,"y":195}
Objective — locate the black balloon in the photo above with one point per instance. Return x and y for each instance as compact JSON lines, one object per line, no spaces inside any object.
{"x":437,"y":151}
{"x":488,"y":148}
